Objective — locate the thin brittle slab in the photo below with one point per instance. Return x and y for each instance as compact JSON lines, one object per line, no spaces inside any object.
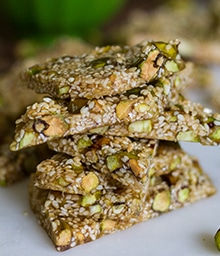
{"x":138,"y":116}
{"x":106,"y":70}
{"x":15,"y":166}
{"x":119,"y":158}
{"x":69,"y":224}
{"x":94,"y":150}
{"x":183,"y":121}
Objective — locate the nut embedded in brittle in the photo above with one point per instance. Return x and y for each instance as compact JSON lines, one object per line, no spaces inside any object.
{"x":106,"y":71}
{"x":161,"y":201}
{"x":89,"y":182}
{"x":155,"y":59}
{"x":113,"y":157}
{"x":88,"y":218}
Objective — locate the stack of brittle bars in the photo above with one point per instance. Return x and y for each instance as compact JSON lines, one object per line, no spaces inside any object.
{"x":114,"y":119}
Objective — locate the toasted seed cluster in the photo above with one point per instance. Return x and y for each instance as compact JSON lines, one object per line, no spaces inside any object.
{"x":105,"y":71}
{"x":125,"y":160}
{"x":72,"y":219}
{"x":113,"y":118}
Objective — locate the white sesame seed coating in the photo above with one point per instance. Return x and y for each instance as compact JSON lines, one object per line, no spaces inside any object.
{"x":101,"y":152}
{"x":69,"y":224}
{"x":176,"y":121}
{"x":106,"y":70}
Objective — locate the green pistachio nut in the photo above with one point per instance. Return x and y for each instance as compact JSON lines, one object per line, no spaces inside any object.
{"x":27,"y":140}
{"x":117,"y":209}
{"x":175,"y":162}
{"x":77,"y":168}
{"x":168,"y":49}
{"x":34,"y":70}
{"x":216,"y":135}
{"x":135,"y":91}
{"x":162,"y":201}
{"x":108,"y":225}
{"x":95,"y":209}
{"x":99,"y":130}
{"x":187,"y":136}
{"x":142,"y":107}
{"x":114,"y":162}
{"x":98,"y":63}
{"x":171,"y":66}
{"x":150,"y":67}
{"x":84,"y":142}
{"x":89,"y":182}
{"x":217,"y":239}
{"x":183,"y":194}
{"x":88,"y":200}
{"x":63,"y":90}
{"x":62,"y":182}
{"x":140,"y":126}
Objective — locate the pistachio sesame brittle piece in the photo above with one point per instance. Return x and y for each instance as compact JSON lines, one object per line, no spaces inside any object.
{"x":101,"y":213}
{"x":125,"y":160}
{"x":177,"y":179}
{"x":69,"y":223}
{"x":66,"y":230}
{"x":69,"y":175}
{"x":106,"y":70}
{"x":41,"y":121}
{"x":15,"y":166}
{"x":182,"y":121}
{"x":143,"y":117}
{"x":11,"y":169}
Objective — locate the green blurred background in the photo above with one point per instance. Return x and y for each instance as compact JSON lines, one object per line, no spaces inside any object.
{"x":55,"y":17}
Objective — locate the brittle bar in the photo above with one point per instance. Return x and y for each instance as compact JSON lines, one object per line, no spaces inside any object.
{"x":143,"y":116}
{"x":106,"y":70}
{"x":11,"y":169}
{"x":184,"y":121}
{"x":119,"y":158}
{"x":68,"y":223}
{"x":15,"y":166}
{"x":50,"y":119}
